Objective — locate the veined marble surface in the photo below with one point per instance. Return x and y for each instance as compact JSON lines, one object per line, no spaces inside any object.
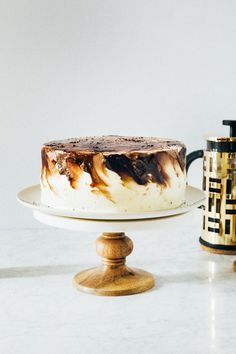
{"x":192,"y":308}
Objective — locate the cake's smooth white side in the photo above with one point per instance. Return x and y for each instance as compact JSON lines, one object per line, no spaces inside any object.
{"x":128,"y":197}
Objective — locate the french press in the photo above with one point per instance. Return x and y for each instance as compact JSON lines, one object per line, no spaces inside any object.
{"x":219,"y":183}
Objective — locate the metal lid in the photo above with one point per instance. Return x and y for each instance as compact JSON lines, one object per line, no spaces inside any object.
{"x":221,"y":144}
{"x":224,"y":144}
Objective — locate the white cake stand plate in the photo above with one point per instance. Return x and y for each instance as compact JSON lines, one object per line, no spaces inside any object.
{"x":31,"y":198}
{"x":113,"y":277}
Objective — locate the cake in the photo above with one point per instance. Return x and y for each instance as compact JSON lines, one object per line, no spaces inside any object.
{"x":113,"y":174}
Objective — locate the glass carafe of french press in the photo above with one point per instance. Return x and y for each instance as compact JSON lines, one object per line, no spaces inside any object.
{"x":219,"y":183}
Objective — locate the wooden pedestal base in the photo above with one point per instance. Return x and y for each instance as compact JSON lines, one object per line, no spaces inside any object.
{"x":113,"y":277}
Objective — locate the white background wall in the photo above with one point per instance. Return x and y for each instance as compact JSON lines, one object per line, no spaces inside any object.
{"x":85,"y":67}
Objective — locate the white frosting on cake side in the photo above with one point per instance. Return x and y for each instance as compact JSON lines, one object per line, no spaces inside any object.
{"x":115,"y":195}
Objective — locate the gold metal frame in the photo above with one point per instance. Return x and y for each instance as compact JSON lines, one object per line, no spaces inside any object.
{"x":219,"y":182}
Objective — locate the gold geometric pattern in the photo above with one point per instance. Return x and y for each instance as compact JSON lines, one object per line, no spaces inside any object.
{"x":219,"y":182}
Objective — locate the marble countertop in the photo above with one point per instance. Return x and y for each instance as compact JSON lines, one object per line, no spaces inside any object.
{"x":192,"y":308}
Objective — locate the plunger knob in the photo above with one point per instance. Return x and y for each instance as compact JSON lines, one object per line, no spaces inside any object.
{"x":232,"y":124}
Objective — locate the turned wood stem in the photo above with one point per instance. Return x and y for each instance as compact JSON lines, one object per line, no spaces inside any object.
{"x":113,"y":248}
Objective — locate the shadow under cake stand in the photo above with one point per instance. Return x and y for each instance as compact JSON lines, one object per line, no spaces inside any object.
{"x":113,"y":277}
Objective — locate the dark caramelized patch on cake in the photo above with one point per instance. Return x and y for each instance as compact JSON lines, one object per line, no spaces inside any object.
{"x":142,"y":168}
{"x":48,"y":166}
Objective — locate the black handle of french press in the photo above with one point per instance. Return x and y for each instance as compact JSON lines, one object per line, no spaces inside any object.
{"x":197,"y":154}
{"x":194,"y":155}
{"x":232,"y":124}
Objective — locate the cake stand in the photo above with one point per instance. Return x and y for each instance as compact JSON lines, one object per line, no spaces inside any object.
{"x":113,"y":277}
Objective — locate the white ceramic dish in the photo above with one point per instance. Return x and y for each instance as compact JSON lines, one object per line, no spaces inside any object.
{"x":31,"y":198}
